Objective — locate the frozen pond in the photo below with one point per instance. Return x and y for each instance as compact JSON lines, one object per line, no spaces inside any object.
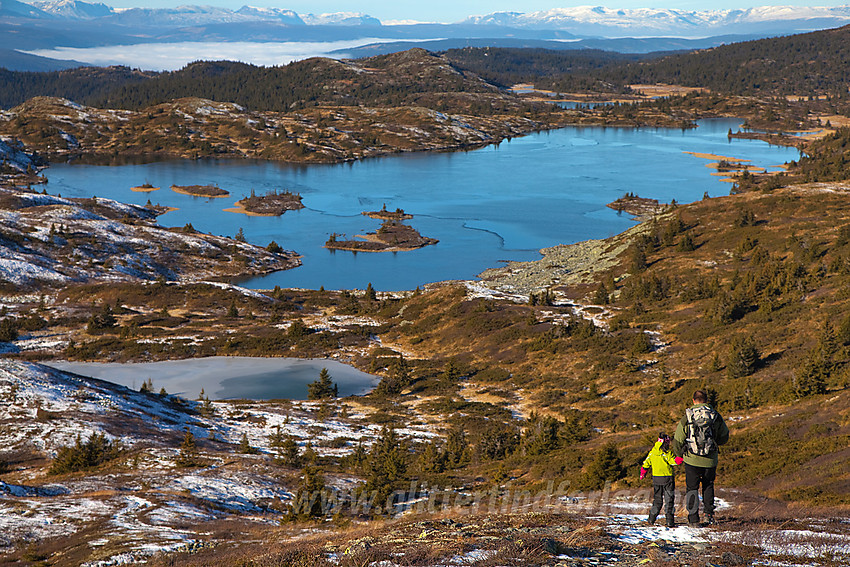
{"x":226,"y":377}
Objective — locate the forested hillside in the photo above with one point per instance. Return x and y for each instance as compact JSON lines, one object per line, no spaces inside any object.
{"x":807,"y":64}
{"x":506,"y":66}
{"x":388,"y":80}
{"x":80,"y":85}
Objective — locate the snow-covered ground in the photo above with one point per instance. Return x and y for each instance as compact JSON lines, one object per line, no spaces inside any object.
{"x":145,"y":503}
{"x":56,"y":240}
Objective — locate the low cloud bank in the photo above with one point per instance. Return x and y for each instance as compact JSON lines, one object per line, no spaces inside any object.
{"x":171,"y":56}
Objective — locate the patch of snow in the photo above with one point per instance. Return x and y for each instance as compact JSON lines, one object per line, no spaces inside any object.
{"x":21,"y":272}
{"x":241,"y":494}
{"x":244,"y":291}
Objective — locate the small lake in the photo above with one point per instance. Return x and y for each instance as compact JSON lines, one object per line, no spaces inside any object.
{"x":224,"y":377}
{"x":501,"y":202}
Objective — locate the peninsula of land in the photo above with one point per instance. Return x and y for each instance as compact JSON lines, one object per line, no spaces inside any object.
{"x":637,"y":206}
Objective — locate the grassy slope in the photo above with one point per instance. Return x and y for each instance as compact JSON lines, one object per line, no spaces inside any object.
{"x":774,"y":267}
{"x":783,"y":445}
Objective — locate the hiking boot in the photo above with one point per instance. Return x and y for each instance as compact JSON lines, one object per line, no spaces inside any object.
{"x":671,"y":523}
{"x":709,"y":520}
{"x":694,"y":524}
{"x":651,"y":520}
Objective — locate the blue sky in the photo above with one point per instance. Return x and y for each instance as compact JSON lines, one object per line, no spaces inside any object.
{"x":447,"y":10}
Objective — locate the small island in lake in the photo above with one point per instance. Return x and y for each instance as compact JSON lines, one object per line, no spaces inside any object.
{"x":391,"y":237}
{"x":144,"y":188}
{"x":272,"y":204}
{"x":637,"y":206}
{"x":200,"y":190}
{"x":384,"y":214}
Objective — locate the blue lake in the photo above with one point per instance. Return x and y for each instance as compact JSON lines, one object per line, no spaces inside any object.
{"x":485,"y":206}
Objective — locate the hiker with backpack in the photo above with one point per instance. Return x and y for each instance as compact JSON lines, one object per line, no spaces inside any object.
{"x":698,"y":436}
{"x":660,"y":463}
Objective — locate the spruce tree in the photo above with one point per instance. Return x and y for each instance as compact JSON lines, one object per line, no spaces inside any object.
{"x":371,"y":294}
{"x":743,"y":358}
{"x":322,"y":388}
{"x":607,"y":466}
{"x":457,"y":448}
{"x":309,"y":496}
{"x":188,"y":455}
{"x":245,"y":446}
{"x":386,"y":465}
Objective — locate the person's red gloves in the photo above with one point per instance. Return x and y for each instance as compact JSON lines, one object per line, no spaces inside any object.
{"x":642,"y":473}
{"x":679,"y":460}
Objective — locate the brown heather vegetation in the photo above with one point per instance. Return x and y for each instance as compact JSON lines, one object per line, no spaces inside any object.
{"x":522,"y":540}
{"x":745,"y":295}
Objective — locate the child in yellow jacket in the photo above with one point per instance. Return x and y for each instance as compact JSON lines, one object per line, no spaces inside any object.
{"x":660,"y":461}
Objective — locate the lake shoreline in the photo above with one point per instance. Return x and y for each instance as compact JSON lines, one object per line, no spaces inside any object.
{"x":472,"y":238}
{"x":266,"y":376}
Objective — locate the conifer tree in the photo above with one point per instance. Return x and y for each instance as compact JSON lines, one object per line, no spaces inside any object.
{"x":397,"y":379}
{"x":371,"y":294}
{"x":188,"y":455}
{"x":309,"y":499}
{"x":232,"y":310}
{"x":386,"y":465}
{"x":541,"y":435}
{"x":743,"y":358}
{"x":457,"y":451}
{"x":245,"y":446}
{"x":432,"y":459}
{"x":322,"y":388}
{"x":607,"y":466}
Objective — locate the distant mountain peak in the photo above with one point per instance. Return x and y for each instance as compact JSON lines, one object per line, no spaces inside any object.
{"x":587,"y":20}
{"x":15,"y":9}
{"x":183,"y":15}
{"x":341,"y":19}
{"x":73,"y":9}
{"x":286,"y":16}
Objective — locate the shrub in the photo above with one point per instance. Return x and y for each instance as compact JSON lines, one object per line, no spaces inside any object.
{"x":743,"y":358}
{"x":607,"y":466}
{"x":85,"y":455}
{"x":8,"y":329}
{"x":497,"y":441}
{"x":101,"y":321}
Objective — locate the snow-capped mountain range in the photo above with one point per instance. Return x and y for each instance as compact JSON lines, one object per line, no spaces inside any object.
{"x":663,"y":21}
{"x":179,"y":16}
{"x":580,"y":20}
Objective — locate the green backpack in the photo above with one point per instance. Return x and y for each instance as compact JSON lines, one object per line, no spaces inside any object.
{"x":700,"y":438}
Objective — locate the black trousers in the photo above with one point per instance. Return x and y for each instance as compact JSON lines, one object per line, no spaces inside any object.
{"x":694,"y":477}
{"x":663,"y":493}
